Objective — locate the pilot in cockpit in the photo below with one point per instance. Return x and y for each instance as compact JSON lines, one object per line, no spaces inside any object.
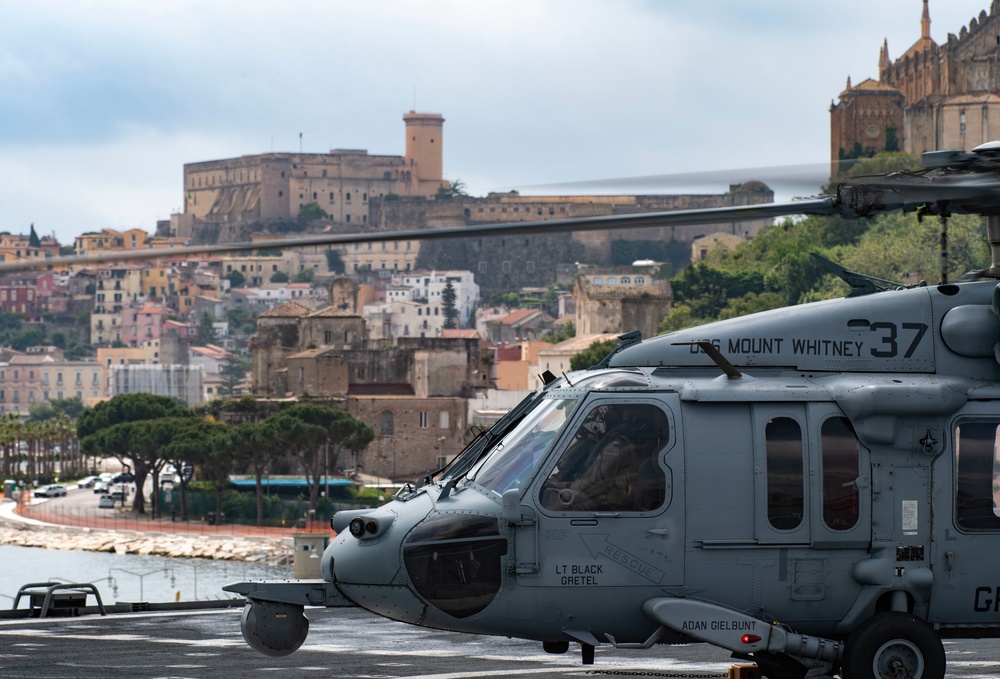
{"x":600,"y":470}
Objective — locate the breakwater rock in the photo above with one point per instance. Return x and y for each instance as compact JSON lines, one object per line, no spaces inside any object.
{"x":260,"y":550}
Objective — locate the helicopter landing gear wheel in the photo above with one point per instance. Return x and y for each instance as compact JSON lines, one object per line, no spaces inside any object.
{"x":893,"y":646}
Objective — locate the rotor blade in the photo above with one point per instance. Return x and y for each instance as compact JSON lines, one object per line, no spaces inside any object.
{"x":787,"y":180}
{"x":720,"y":215}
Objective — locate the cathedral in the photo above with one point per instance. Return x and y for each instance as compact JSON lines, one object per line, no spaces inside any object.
{"x":933,"y":97}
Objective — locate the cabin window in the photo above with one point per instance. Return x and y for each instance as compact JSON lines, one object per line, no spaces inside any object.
{"x":610,"y":464}
{"x":841,"y":461}
{"x":512,"y":461}
{"x":977,"y":497}
{"x":385,"y":423}
{"x":785,"y":497}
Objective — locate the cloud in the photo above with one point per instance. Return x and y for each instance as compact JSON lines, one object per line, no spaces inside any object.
{"x":105,"y":100}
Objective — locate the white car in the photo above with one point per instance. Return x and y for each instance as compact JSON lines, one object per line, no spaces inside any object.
{"x":51,"y":491}
{"x":106,"y":502}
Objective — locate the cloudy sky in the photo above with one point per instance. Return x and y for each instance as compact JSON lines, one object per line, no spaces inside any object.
{"x":103,"y":101}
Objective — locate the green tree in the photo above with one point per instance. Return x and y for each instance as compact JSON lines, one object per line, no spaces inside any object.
{"x":568,"y":331}
{"x":592,"y":355}
{"x":448,"y":306}
{"x":187,"y":445}
{"x":315,"y":435}
{"x":679,"y":317}
{"x":258,"y":444}
{"x":311,"y":211}
{"x":454,"y":190}
{"x":279,"y":277}
{"x":304,"y":276}
{"x":236,"y":279}
{"x":232,"y":371}
{"x":111,"y":428}
{"x":240,"y":322}
{"x":707,"y":289}
{"x":751,"y":303}
{"x":334,"y":264}
{"x":69,"y":407}
{"x":206,"y":330}
{"x":29,"y":337}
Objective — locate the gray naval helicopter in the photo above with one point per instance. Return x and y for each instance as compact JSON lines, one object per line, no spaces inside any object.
{"x":812,"y":488}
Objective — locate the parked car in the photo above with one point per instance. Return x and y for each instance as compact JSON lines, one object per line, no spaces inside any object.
{"x":86,"y":482}
{"x":123,"y":477}
{"x":106,"y":502}
{"x":100,"y":486}
{"x":51,"y":491}
{"x":117,"y":494}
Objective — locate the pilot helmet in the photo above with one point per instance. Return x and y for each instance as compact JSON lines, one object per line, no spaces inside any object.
{"x":595,"y":424}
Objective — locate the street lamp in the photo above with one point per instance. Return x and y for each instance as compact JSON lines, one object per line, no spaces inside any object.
{"x":141,"y":576}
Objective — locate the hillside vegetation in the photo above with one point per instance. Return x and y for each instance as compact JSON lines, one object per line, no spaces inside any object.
{"x":776,"y":269}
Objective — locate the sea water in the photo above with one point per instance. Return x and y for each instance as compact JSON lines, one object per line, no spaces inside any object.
{"x":128,"y":577}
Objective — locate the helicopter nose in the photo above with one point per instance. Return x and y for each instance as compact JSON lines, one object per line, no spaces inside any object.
{"x":365,"y":562}
{"x":455,"y":561}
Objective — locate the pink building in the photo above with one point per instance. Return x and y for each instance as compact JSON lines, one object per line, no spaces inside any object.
{"x":26,"y":293}
{"x":142,"y":324}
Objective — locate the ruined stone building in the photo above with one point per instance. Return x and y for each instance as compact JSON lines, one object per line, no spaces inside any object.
{"x":619,"y":301}
{"x":932,"y":97}
{"x":412,"y":393}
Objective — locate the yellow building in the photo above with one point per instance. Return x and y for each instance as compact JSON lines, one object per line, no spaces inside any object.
{"x":255,"y":270}
{"x":17,"y":248}
{"x":116,"y":288}
{"x":391,"y":256}
{"x":700,"y":247}
{"x":110,"y":240}
{"x":153,"y":282}
{"x":29,"y":379}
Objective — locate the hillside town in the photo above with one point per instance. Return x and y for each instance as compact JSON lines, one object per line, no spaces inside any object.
{"x":419,"y":339}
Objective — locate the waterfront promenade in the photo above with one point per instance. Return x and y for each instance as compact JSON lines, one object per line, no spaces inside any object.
{"x":55,"y":525}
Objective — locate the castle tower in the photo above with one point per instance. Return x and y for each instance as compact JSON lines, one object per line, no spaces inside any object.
{"x":424,"y":142}
{"x":925,"y":22}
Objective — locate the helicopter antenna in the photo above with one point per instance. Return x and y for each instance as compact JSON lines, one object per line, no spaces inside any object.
{"x":731,"y":371}
{"x":626,"y":340}
{"x":567,"y":378}
{"x":861,"y":284}
{"x":943,"y":218}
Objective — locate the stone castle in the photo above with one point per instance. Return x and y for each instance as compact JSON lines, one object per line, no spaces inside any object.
{"x":933,"y":97}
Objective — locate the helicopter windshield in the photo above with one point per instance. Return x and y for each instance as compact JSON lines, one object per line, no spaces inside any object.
{"x":514,"y":459}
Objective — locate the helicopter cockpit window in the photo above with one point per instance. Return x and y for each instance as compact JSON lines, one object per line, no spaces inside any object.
{"x":606,"y":379}
{"x":514,"y":459}
{"x":785,"y":498}
{"x":841,"y":462}
{"x":611,"y":462}
{"x":977,"y":496}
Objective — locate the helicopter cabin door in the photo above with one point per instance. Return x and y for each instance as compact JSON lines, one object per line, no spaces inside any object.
{"x":605,"y":506}
{"x":966,"y":521}
{"x":812,"y":506}
{"x":813,"y":478}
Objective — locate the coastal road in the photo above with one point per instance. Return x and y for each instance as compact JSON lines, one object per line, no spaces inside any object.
{"x":345,"y":643}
